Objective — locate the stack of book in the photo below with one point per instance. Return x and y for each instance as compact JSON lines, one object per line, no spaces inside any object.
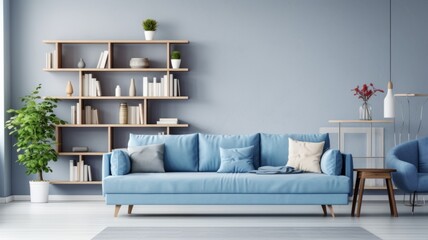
{"x":135,"y":114}
{"x":81,"y":172}
{"x":102,"y":61}
{"x":167,"y":86}
{"x":88,"y":115}
{"x":167,"y":121}
{"x":51,"y":60}
{"x":91,"y":86}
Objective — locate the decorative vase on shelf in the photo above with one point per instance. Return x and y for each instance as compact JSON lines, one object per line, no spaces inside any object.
{"x":123,"y":113}
{"x":365,"y":111}
{"x":81,"y":63}
{"x":149,"y":35}
{"x":117,"y":91}
{"x":69,"y":89}
{"x":132,"y":90}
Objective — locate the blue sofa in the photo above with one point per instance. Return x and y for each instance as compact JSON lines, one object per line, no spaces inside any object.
{"x":410,"y":159}
{"x":191,"y":162}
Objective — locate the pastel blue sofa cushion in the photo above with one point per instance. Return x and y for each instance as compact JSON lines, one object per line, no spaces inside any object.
{"x":274,"y":147}
{"x":180,"y":153}
{"x":209,"y":148}
{"x":331,"y":162}
{"x":120,"y":164}
{"x":226,"y":183}
{"x":236,"y":160}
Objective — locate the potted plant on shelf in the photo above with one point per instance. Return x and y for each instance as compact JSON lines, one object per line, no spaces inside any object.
{"x":175,"y":59}
{"x":150,"y":27}
{"x":33,"y":125}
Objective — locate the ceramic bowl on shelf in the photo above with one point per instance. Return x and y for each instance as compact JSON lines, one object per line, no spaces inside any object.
{"x":139,"y":63}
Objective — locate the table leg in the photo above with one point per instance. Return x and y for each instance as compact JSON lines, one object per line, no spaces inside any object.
{"x":354,"y":200}
{"x":360,"y":196}
{"x":391,"y":197}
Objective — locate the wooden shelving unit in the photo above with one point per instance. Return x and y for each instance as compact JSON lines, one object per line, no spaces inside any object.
{"x":109,"y":68}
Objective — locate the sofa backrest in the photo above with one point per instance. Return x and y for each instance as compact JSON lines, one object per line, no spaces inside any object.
{"x":274,"y":147}
{"x":423,"y":155}
{"x":180,"y":153}
{"x":209,"y":148}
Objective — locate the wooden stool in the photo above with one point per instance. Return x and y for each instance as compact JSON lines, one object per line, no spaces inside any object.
{"x":377,"y":173}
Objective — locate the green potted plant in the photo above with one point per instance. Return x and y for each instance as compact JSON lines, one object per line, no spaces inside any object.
{"x":175,"y":59}
{"x":150,"y":26}
{"x":33,"y":126}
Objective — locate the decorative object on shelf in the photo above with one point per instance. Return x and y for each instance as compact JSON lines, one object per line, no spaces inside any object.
{"x":365,"y":93}
{"x":69,"y":89}
{"x":35,"y":148}
{"x":175,"y":59}
{"x":117,"y":91}
{"x":388,"y":103}
{"x":79,"y":149}
{"x":150,"y":27}
{"x":139,"y":63}
{"x":123,"y":113}
{"x":132,"y":90}
{"x":81,"y":63}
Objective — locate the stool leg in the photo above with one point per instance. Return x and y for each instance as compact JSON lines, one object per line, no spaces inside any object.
{"x":413,"y":203}
{"x":354,"y":199}
{"x":360,"y":196}
{"x":391,"y":197}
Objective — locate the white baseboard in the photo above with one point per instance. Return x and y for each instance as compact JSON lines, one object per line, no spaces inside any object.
{"x":4,"y":200}
{"x":62,"y":198}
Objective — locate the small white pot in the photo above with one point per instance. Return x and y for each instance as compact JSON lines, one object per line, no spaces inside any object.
{"x":149,"y":35}
{"x":175,"y":63}
{"x":39,"y":191}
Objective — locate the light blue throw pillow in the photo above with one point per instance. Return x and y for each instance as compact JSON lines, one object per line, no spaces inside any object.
{"x":236,"y":160}
{"x":331,"y":162}
{"x":120,"y":164}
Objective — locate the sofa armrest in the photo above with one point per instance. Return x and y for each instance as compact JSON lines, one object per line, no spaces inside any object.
{"x":348,"y":170}
{"x":106,"y":167}
{"x":406,"y":177}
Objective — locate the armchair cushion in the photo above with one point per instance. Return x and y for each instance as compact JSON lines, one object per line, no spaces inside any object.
{"x":423,"y":155}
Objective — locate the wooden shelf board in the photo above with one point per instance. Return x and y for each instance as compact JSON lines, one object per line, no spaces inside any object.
{"x":361,"y":121}
{"x":116,"y":69}
{"x":121,"y":125}
{"x":81,"y":153}
{"x":411,"y":95}
{"x":118,"y":98}
{"x":74,"y":183}
{"x":117,"y":41}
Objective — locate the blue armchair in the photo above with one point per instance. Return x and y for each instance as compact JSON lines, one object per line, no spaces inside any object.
{"x":411,"y":161}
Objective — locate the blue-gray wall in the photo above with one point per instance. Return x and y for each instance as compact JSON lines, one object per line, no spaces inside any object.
{"x":276,"y":66}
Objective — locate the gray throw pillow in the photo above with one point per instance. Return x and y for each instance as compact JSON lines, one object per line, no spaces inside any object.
{"x":148,"y":158}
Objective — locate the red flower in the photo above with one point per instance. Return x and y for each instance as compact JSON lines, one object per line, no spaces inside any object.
{"x":366,"y":91}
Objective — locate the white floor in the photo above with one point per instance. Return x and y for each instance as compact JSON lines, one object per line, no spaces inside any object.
{"x":83,"y":220}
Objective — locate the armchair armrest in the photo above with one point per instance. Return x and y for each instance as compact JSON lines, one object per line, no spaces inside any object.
{"x":106,"y":167}
{"x":406,"y":177}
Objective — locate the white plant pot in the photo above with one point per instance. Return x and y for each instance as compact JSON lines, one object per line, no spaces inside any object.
{"x":175,"y":63}
{"x":149,"y":35}
{"x":39,"y":191}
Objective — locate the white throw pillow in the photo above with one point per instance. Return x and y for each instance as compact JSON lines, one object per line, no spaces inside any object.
{"x":305,"y":155}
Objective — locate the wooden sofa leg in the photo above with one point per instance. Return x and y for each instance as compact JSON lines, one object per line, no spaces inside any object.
{"x":130,"y":207}
{"x":116,"y":210}
{"x":324,"y":210}
{"x":330,"y":208}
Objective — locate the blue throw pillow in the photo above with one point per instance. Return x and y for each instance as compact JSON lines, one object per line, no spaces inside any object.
{"x":331,"y":162}
{"x":236,"y":160}
{"x":120,"y":164}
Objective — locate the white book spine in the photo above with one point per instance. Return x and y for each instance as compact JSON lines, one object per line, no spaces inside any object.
{"x":104,"y":60}
{"x":100,"y":59}
{"x":75,"y":173}
{"x":85,"y":85}
{"x":175,"y":87}
{"x":85,"y":173}
{"x":129,"y":114}
{"x":178,"y":88}
{"x":81,"y":166}
{"x":145,"y":86}
{"x":150,"y":90}
{"x":99,"y":93}
{"x":71,"y":170}
{"x":89,"y":174}
{"x":73,"y":115}
{"x":88,"y":115}
{"x":155,"y":87}
{"x":78,"y":114}
{"x":54,"y":59}
{"x":140,"y":108}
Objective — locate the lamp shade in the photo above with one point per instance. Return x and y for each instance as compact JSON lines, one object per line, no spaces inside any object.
{"x":388,"y":103}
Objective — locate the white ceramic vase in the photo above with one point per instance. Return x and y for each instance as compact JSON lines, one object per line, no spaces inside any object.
{"x":175,"y":63}
{"x":149,"y":35}
{"x":39,"y":191}
{"x":132,"y":90}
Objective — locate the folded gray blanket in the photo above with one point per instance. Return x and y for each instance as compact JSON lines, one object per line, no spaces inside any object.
{"x":276,"y":170}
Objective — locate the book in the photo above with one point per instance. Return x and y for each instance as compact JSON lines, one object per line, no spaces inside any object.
{"x":89,"y":174}
{"x":85,"y":173}
{"x":155,"y":87}
{"x":85,"y":85}
{"x":145,"y":86}
{"x":104,"y":60}
{"x":73,"y":115}
{"x":88,"y":114}
{"x":100,"y":59}
{"x":150,"y":88}
{"x":140,"y":108}
{"x":71,"y":164}
{"x":78,"y":114}
{"x":95,"y":116}
{"x":75,"y":174}
{"x":175,"y":87}
{"x":98,"y":89}
{"x":81,"y":166}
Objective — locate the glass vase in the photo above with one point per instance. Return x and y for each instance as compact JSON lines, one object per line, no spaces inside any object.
{"x":365,"y":111}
